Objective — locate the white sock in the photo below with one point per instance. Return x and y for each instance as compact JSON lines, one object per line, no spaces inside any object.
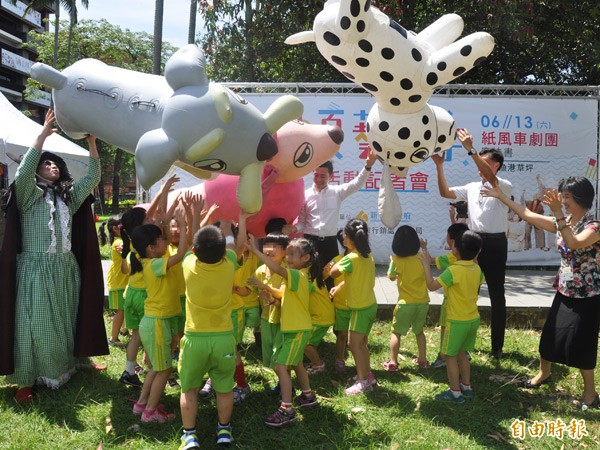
{"x":456,"y":394}
{"x":130,"y":367}
{"x":465,"y":387}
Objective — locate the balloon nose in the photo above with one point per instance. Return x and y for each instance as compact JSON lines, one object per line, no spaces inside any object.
{"x":267,"y":148}
{"x":336,"y":134}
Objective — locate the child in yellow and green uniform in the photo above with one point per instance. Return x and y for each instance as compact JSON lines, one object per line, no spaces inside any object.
{"x":322,"y":316}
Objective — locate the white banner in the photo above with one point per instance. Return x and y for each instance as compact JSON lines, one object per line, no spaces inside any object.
{"x":543,"y":140}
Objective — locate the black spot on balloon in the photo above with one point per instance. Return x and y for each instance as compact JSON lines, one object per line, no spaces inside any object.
{"x":399,"y":28}
{"x":362,"y":62}
{"x":365,"y":46}
{"x":427,"y":135}
{"x":331,"y":38}
{"x":404,"y":133}
{"x":458,"y":71}
{"x":416,"y":54}
{"x":376,"y":146}
{"x":479,"y":60}
{"x":338,"y":60}
{"x":360,"y":26}
{"x":414,"y":98}
{"x":395,"y":101}
{"x":348,"y":75}
{"x":386,"y":76}
{"x":355,"y":8}
{"x":367,"y":5}
{"x":432,"y":78}
{"x":425,"y":120}
{"x":416,"y":144}
{"x":383,"y":126}
{"x":400,"y":155}
{"x":387,"y":53}
{"x":437,"y":149}
{"x":406,"y":84}
{"x":466,"y":50}
{"x":345,"y":23}
{"x":370,"y":87}
{"x":442,"y":139}
{"x":441,"y":66}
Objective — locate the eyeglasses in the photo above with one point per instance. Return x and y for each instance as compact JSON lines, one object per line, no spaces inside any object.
{"x":48,"y":163}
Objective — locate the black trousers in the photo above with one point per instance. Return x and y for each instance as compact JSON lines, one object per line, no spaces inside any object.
{"x":492,"y":261}
{"x":327,"y":249}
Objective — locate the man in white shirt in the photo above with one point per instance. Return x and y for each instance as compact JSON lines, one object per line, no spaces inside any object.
{"x":320,"y":214}
{"x":488,"y":217}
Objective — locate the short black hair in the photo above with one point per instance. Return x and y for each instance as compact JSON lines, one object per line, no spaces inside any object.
{"x":275,"y":225}
{"x":580,"y":188}
{"x":406,"y":241}
{"x":456,"y":229}
{"x":495,"y":154}
{"x":328,"y":165}
{"x":468,"y":245}
{"x":209,"y":244}
{"x":276,"y":238}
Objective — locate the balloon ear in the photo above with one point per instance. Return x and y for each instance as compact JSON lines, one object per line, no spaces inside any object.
{"x":300,"y":38}
{"x":281,"y":111}
{"x":249,"y":193}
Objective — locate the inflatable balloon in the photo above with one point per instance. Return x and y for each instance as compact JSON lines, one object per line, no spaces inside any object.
{"x":400,"y":69}
{"x":302,"y":148}
{"x":181,"y":118}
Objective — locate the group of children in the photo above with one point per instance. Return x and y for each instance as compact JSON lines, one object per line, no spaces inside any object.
{"x":194,"y":301}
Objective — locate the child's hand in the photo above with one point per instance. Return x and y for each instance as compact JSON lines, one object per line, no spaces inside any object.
{"x":179,"y":217}
{"x":251,"y":244}
{"x":327,"y":269}
{"x":168,"y":186}
{"x":425,"y":257}
{"x":253,"y":282}
{"x":423,"y":243}
{"x":334,"y":290}
{"x":119,"y":248}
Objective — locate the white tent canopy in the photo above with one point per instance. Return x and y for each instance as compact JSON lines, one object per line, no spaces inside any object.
{"x":17,"y":133}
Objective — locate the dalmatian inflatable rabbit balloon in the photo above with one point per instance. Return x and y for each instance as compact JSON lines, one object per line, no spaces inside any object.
{"x":400,"y":69}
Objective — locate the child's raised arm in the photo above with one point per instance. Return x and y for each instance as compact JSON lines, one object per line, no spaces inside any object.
{"x":391,"y":273}
{"x":182,"y":248}
{"x":425,"y":257}
{"x":272,"y":265}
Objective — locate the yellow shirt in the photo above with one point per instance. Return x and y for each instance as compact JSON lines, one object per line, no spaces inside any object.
{"x":321,"y":307}
{"x":295,"y":313}
{"x":137,"y":279}
{"x":410,"y":279}
{"x":245,"y":271}
{"x":115,"y":279}
{"x":443,"y":261}
{"x":272,"y":313}
{"x":163,"y":299}
{"x":360,"y":280}
{"x":208,"y":294}
{"x":177,"y":271}
{"x":339,"y":299}
{"x":462,"y":280}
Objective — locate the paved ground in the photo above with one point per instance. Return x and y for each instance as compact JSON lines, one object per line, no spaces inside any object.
{"x":529,"y":294}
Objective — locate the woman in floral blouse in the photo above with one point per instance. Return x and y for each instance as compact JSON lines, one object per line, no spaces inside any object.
{"x":570,"y":334}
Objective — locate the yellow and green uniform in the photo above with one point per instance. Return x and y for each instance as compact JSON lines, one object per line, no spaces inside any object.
{"x":442,"y":262}
{"x":251,"y":304}
{"x":135,"y":295}
{"x":269,"y":320}
{"x":180,"y":283}
{"x":342,"y":313}
{"x":116,"y":280}
{"x":242,"y":273}
{"x":322,"y":313}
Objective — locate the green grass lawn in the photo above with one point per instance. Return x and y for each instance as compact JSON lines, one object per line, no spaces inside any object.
{"x":94,"y":411}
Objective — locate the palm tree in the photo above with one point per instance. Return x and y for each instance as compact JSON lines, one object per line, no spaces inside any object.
{"x":158,"y":29}
{"x":192,"y":26}
{"x":71,"y":8}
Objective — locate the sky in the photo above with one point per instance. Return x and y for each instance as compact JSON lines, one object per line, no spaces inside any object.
{"x":138,"y":15}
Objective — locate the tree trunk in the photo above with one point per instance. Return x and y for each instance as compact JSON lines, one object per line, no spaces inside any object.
{"x":250,"y":59}
{"x":56,"y":31}
{"x":158,"y":29}
{"x":192,"y":27}
{"x":116,"y":181}
{"x":72,"y":24}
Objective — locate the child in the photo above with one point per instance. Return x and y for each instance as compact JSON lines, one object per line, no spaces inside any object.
{"x":274,"y":246}
{"x":116,"y":279}
{"x":158,"y":327}
{"x":442,"y":262}
{"x":413,"y":298}
{"x":342,"y":313}
{"x":322,"y":316}
{"x":359,"y":270}
{"x":462,"y":281}
{"x":295,"y":324}
{"x":208,"y":344}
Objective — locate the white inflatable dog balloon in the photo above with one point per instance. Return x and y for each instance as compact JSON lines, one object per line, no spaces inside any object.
{"x":180,"y":118}
{"x":401,"y":69}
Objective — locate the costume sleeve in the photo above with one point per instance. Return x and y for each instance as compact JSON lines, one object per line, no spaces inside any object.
{"x":345,"y":264}
{"x":84,"y":187}
{"x":230,"y":254}
{"x":159,"y":266}
{"x":347,"y":189}
{"x":445,"y":278}
{"x":293,"y":280}
{"x":26,"y":189}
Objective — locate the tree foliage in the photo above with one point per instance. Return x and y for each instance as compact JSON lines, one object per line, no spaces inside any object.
{"x":537,"y":42}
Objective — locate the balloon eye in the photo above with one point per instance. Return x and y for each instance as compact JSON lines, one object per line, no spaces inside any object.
{"x":212,"y":165}
{"x":419,"y":155}
{"x":303,"y":155}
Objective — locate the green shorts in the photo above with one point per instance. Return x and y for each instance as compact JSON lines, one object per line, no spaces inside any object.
{"x":252,"y":316}
{"x":181,"y":316}
{"x":134,"y":307}
{"x":342,"y":319}
{"x":459,"y":335}
{"x":443,"y":313}
{"x":116,"y":299}
{"x":156,"y":335}
{"x":237,"y":318}
{"x":409,"y":315}
{"x":202,"y":353}
{"x":271,"y":341}
{"x":361,"y":320}
{"x":292,"y":348}
{"x":317,"y":334}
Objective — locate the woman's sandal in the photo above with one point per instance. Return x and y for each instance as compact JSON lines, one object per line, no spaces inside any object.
{"x":390,"y":366}
{"x":527,"y":384}
{"x":582,"y":406}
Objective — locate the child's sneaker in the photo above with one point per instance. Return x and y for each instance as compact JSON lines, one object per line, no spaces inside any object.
{"x":224,"y":434}
{"x":130,"y":380}
{"x":189,"y":441}
{"x":468,"y":394}
{"x":302,"y":401}
{"x":360,"y":387}
{"x":340,"y":366}
{"x":207,"y":391}
{"x":370,"y":378}
{"x":240,"y":394}
{"x":116,"y":343}
{"x":157,"y":415}
{"x":438,"y":363}
{"x":314,"y":370}
{"x":139,"y":408}
{"x":281,"y":417}
{"x":448,"y":396}
{"x":172,"y":382}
